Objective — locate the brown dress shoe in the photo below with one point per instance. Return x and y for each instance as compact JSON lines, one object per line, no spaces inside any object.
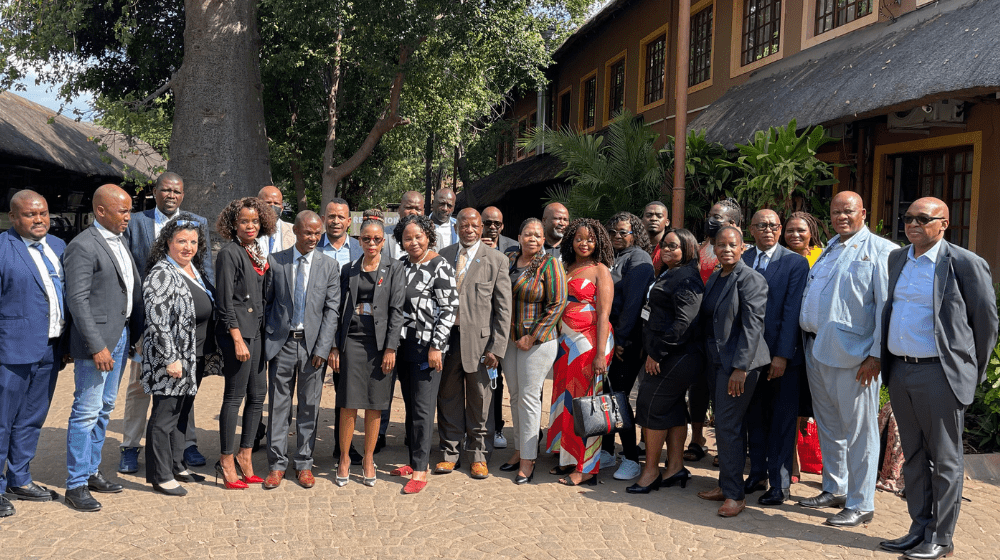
{"x":732,"y":508}
{"x":480,"y":470}
{"x":306,"y":478}
{"x":714,"y":495}
{"x":444,"y":467}
{"x":273,"y":480}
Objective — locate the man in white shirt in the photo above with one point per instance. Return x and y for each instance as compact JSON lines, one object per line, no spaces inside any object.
{"x":444,"y":224}
{"x":283,"y":236}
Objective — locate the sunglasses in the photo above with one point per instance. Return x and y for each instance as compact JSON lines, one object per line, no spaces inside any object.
{"x":187,"y":224}
{"x":492,"y":223}
{"x":921,"y":220}
{"x":372,"y":240}
{"x":619,"y":233}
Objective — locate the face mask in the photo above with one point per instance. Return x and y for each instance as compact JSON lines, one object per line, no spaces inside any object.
{"x":276,"y":210}
{"x":712,"y":227}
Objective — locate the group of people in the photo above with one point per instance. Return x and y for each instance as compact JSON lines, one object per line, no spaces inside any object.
{"x":450,"y":307}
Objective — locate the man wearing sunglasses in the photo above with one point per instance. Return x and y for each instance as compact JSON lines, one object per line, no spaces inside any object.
{"x":493,"y":231}
{"x":939,"y":327}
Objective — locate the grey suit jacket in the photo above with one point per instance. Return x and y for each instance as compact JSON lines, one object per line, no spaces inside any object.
{"x":735,"y":336}
{"x":484,"y":302}
{"x":322,"y":303}
{"x":965,"y":317}
{"x":97,"y":297}
{"x":140,"y":235}
{"x":387,"y":303}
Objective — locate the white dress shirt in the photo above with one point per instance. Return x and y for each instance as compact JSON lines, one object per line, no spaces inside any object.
{"x":770,"y":256}
{"x":56,"y":322}
{"x":275,"y":239}
{"x":444,"y":235}
{"x":295,"y":270}
{"x":118,"y":249}
{"x":911,"y":325}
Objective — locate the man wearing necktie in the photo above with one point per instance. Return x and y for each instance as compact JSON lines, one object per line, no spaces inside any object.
{"x":104,"y":298}
{"x":302,"y":311}
{"x":771,"y":418}
{"x":480,"y":335}
{"x":283,"y":236}
{"x":31,"y":328}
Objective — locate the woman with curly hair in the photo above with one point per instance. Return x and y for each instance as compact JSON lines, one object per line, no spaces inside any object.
{"x":429,"y":309}
{"x":538,"y":287}
{"x":585,"y":346}
{"x":632,"y":274}
{"x":241,"y":277}
{"x":178,"y":301}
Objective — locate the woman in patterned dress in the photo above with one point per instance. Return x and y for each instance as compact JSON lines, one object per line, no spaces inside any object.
{"x":586,"y":346}
{"x":428,"y":315}
{"x":178,"y":304}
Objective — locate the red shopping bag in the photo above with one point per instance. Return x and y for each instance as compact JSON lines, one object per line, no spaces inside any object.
{"x":810,"y":458}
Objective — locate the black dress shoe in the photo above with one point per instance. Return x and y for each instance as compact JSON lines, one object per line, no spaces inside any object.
{"x":6,"y":508}
{"x":850,"y":518}
{"x":773,"y":497}
{"x":902,"y":544}
{"x":655,"y":485}
{"x":179,"y":491}
{"x":79,"y":498}
{"x":825,"y":499}
{"x":189,"y":477}
{"x":31,"y":492}
{"x":510,"y":467}
{"x":380,"y":443}
{"x":754,"y":484}
{"x":929,"y":551}
{"x":99,"y":484}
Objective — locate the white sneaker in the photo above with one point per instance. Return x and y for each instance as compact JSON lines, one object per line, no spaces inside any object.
{"x":499,"y":442}
{"x":608,"y":459}
{"x":628,"y":470}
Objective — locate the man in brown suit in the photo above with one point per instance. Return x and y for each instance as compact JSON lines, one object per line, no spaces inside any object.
{"x":479,"y":336}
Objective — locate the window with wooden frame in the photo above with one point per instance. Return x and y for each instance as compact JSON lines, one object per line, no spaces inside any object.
{"x":943,"y":174}
{"x":564,"y":107}
{"x":655,"y":70}
{"x":831,"y":14}
{"x":615,"y":83}
{"x":700,"y":69}
{"x":588,"y":102}
{"x":761,"y":29}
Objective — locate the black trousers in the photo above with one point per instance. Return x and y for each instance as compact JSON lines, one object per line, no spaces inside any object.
{"x":244,"y":380}
{"x":419,"y":384}
{"x":623,"y":373}
{"x":770,"y":426}
{"x":164,"y":441}
{"x":729,"y":433}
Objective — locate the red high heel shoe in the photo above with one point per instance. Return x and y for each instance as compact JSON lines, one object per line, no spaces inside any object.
{"x":235,"y":485}
{"x":252,"y":479}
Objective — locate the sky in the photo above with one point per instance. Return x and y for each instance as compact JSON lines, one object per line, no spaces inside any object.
{"x":45,"y":95}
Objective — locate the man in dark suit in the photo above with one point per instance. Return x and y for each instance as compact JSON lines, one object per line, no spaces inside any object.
{"x":143,"y":229}
{"x":493,"y":231}
{"x":31,"y":331}
{"x":302,"y":308}
{"x":480,"y":334}
{"x":493,"y":237}
{"x":939,"y":327}
{"x":104,"y":298}
{"x":771,"y":419}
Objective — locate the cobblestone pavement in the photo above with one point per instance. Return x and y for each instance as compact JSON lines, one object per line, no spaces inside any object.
{"x":454,"y":517}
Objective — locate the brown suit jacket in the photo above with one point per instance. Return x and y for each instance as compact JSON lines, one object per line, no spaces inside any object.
{"x":484,"y":302}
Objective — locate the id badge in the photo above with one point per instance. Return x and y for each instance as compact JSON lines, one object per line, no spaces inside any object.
{"x":645,"y":313}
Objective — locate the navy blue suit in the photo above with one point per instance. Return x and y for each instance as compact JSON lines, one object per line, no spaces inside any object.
{"x":29,"y":359}
{"x":771,"y":419}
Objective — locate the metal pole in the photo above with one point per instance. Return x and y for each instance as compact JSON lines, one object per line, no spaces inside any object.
{"x":680,"y":112}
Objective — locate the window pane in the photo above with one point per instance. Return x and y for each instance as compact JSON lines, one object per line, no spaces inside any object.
{"x":701,"y":47}
{"x":655,"y":56}
{"x":761,"y":29}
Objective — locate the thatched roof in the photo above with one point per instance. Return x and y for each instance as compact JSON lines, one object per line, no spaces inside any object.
{"x":27,"y":133}
{"x":946,"y":49}
{"x":490,"y":190}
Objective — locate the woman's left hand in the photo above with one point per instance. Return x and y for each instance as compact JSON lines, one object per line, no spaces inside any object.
{"x":175,"y":370}
{"x":434,"y":359}
{"x":737,"y":382}
{"x":600,"y":364}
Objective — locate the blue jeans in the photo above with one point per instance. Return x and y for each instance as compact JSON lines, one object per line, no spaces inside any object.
{"x":93,"y":401}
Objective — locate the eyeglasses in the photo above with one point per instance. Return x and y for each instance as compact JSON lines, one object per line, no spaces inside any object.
{"x":619,"y":233}
{"x":765,"y":227}
{"x":921,"y":220}
{"x":372,"y":240}
{"x":671,"y":246}
{"x":492,"y":223}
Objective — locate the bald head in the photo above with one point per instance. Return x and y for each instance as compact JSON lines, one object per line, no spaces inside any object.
{"x":492,"y":226}
{"x":307,"y":216}
{"x":308,"y":230}
{"x":444,"y":205}
{"x":765,"y":227}
{"x":411,"y":204}
{"x":933,"y":213}
{"x":29,"y":215}
{"x":112,"y":208}
{"x":24,"y":198}
{"x":272,"y":196}
{"x":847,"y":214}
{"x":555,"y":218}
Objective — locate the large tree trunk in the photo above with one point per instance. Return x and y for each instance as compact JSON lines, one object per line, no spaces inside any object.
{"x":218,"y":144}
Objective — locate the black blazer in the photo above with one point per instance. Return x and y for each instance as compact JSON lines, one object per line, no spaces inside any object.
{"x":674,"y":304}
{"x":786,"y":277}
{"x":238,"y":301}
{"x":387,"y":302}
{"x":735,"y":337}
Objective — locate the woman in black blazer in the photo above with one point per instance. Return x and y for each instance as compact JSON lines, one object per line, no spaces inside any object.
{"x":242,"y":274}
{"x":371,"y":318}
{"x":732,"y":313}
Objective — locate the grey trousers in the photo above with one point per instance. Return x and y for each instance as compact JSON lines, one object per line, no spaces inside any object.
{"x":931,"y":422}
{"x":526,"y":371}
{"x":137,"y":410}
{"x":291,"y":370}
{"x":464,"y":402}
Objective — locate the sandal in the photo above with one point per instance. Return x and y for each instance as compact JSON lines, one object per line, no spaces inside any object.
{"x":592,"y":481}
{"x":402,"y":471}
{"x":563,"y":470}
{"x":695,"y":452}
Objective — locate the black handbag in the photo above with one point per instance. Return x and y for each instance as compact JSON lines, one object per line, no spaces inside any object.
{"x":602,"y":414}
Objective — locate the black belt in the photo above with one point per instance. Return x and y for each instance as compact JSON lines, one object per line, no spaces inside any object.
{"x":54,"y":341}
{"x":298,"y":335}
{"x":912,"y":360}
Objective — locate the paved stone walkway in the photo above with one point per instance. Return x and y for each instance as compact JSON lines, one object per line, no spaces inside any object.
{"x":454,"y":517}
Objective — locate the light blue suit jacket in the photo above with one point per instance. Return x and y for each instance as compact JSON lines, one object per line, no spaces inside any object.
{"x":850,"y":314}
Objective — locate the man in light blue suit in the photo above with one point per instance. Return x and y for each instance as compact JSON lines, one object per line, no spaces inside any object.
{"x":32,"y":324}
{"x":143,"y":229}
{"x":841,"y":320}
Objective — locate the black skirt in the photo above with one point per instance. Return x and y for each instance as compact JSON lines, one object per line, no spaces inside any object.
{"x":660,"y":402}
{"x":363,"y":384}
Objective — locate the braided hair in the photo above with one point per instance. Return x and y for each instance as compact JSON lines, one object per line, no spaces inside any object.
{"x":732,"y":209}
{"x":640,"y":237}
{"x":811,"y":224}
{"x":604,"y":253}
